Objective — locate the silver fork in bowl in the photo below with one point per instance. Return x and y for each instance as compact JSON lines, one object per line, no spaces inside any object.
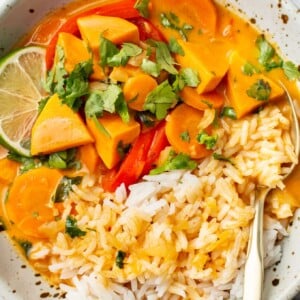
{"x":254,"y":267}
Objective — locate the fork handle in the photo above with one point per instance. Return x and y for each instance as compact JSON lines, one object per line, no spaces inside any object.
{"x":254,"y":267}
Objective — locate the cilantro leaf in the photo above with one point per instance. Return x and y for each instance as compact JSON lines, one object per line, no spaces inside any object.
{"x":180,"y":161}
{"x":120,"y":259}
{"x":143,"y":7}
{"x":107,"y":49}
{"x":229,"y":112}
{"x":121,"y":58}
{"x":260,"y":90}
{"x":69,"y":87}
{"x":290,"y":70}
{"x":267,"y":55}
{"x":170,"y":20}
{"x":164,"y":58}
{"x":190,"y":77}
{"x":63,"y":160}
{"x":185,"y":136}
{"x":186,"y":77}
{"x":218,"y":156}
{"x":72,"y":229}
{"x":175,"y":47}
{"x":249,"y":69}
{"x":64,"y":188}
{"x":110,"y":100}
{"x":150,"y":67}
{"x":160,"y":99}
{"x":208,"y":140}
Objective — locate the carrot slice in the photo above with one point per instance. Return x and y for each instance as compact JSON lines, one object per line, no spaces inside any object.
{"x":57,"y":128}
{"x":182,"y":131}
{"x":136,"y":90}
{"x":29,"y":203}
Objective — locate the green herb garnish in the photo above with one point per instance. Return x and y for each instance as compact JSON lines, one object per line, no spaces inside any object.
{"x":170,"y":20}
{"x":267,"y":55}
{"x":228,"y":112}
{"x":220,"y":157}
{"x":185,"y":136}
{"x":160,"y":99}
{"x":64,"y":188}
{"x":260,"y":90}
{"x":249,"y":69}
{"x":208,"y":140}
{"x":72,"y":229}
{"x":175,"y":47}
{"x":150,"y":67}
{"x":120,"y":259}
{"x":175,"y":162}
{"x":143,"y":7}
{"x":291,"y":71}
{"x":69,"y":87}
{"x":110,"y":100}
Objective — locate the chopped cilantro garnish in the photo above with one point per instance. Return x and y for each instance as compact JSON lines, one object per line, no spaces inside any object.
{"x":143,"y":7}
{"x":42,"y":104}
{"x":107,"y":49}
{"x":185,"y":136}
{"x":291,"y":70}
{"x":228,"y":112}
{"x":170,"y":20}
{"x":70,"y":87}
{"x":58,"y":160}
{"x":150,"y":67}
{"x":175,"y":47}
{"x":110,"y":100}
{"x":121,"y":58}
{"x":64,"y":188}
{"x":180,"y":161}
{"x":160,"y":99}
{"x":249,"y":69}
{"x":267,"y":55}
{"x":260,"y":90}
{"x":208,"y":140}
{"x":220,"y":157}
{"x":186,"y":77}
{"x":120,"y":259}
{"x":164,"y":58}
{"x":72,"y":229}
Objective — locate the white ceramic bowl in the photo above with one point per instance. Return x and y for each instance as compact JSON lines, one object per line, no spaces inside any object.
{"x":282,"y":282}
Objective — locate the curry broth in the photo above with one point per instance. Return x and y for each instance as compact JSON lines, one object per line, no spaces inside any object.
{"x":239,"y":34}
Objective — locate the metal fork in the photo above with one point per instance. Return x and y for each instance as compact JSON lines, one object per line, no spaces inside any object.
{"x":254,"y":267}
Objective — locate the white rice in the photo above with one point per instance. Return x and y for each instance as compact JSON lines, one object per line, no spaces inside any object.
{"x":184,"y":233}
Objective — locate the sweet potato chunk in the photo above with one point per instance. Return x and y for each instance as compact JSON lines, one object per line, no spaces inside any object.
{"x":58,"y":128}
{"x":115,"y":135}
{"x":115,"y":29}
{"x":209,"y":60}
{"x":240,"y":84}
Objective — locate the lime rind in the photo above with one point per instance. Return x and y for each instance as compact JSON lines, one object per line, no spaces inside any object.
{"x":21,"y":77}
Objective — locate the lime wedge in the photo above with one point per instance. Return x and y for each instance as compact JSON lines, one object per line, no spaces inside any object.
{"x":22,"y":73}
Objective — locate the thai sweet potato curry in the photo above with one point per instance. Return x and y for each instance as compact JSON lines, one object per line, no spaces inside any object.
{"x":134,"y":135}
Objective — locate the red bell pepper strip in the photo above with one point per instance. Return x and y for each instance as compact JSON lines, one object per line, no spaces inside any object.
{"x":123,"y":9}
{"x":139,"y":160}
{"x":159,"y":143}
